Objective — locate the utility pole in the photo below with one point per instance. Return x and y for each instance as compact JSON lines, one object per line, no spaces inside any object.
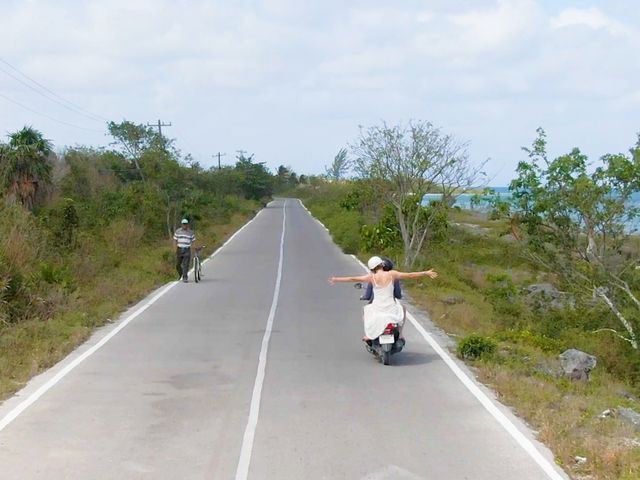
{"x":159,"y":125}
{"x":241,"y":155}
{"x":219,"y":155}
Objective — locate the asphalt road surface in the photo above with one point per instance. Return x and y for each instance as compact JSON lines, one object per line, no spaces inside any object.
{"x":258,"y":372}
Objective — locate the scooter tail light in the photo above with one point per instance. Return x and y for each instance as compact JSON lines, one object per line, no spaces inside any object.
{"x":390,"y":327}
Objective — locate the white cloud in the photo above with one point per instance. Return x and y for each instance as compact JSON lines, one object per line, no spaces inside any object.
{"x":467,"y":38}
{"x":510,"y":22}
{"x":252,"y":71}
{"x":592,"y":18}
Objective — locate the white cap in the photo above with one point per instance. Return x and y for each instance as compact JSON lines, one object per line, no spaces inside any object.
{"x":374,"y":262}
{"x":184,"y":220}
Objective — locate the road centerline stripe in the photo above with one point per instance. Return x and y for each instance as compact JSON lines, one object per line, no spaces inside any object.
{"x":244,"y":462}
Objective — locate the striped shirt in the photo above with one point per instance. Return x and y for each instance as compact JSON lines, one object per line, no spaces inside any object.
{"x":184,"y":237}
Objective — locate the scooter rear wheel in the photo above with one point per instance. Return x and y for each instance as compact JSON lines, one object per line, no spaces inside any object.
{"x":386,"y":358}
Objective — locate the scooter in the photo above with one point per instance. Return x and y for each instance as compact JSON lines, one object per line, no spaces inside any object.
{"x":386,"y":344}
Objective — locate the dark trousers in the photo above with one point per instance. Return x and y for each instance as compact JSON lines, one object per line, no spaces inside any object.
{"x":183,"y":257}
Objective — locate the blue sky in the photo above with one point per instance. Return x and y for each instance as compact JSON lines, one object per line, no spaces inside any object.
{"x":291,"y":81}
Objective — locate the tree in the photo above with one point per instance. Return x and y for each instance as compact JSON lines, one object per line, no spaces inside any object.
{"x":283,"y":178}
{"x":25,"y":166}
{"x":575,"y":224}
{"x":135,"y":140}
{"x":339,"y":167}
{"x":255,"y":180}
{"x":408,"y":161}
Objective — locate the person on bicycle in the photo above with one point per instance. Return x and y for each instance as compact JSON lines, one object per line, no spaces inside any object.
{"x":183,"y":239}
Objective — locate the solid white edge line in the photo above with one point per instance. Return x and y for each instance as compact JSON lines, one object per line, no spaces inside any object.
{"x":244,"y":462}
{"x":486,"y":402}
{"x":31,"y":399}
{"x":309,"y":212}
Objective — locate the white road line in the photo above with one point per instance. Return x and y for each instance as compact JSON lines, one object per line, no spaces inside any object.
{"x":319,"y":222}
{"x":31,"y":399}
{"x":500,"y":417}
{"x":242,"y":472}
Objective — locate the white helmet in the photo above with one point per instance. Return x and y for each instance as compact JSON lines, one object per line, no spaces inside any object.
{"x":374,"y":262}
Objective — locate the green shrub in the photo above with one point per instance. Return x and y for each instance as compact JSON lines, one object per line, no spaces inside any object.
{"x":345,"y":229}
{"x":54,"y":275}
{"x":503,"y":294}
{"x":383,"y":235}
{"x":532,"y":339}
{"x":474,"y":347}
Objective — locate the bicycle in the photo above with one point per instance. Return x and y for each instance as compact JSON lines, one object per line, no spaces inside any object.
{"x":197,"y":264}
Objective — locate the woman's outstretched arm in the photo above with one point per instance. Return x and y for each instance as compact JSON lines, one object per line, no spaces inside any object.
{"x":361,"y":278}
{"x":402,"y":275}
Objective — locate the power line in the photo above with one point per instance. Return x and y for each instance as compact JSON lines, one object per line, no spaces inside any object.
{"x":57,"y":98}
{"x":52,"y":99}
{"x":48,"y":116}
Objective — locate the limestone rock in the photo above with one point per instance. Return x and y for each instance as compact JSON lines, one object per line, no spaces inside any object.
{"x":577,"y":364}
{"x":452,"y":300}
{"x":630,"y":416}
{"x":545,"y":295}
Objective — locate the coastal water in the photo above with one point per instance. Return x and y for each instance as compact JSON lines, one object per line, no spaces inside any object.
{"x":470,"y":201}
{"x":480,"y":203}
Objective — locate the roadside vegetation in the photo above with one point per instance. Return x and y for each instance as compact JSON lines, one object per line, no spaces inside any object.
{"x":552,"y":269}
{"x":84,"y":233}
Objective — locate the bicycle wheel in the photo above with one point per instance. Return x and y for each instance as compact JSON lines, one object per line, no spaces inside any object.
{"x":196,"y":269}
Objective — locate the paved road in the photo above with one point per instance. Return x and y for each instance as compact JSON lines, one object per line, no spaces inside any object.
{"x":170,"y":395}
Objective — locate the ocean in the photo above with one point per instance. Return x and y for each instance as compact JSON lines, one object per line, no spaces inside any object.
{"x":466,"y":202}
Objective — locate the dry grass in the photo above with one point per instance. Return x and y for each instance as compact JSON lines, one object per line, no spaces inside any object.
{"x":565,"y":415}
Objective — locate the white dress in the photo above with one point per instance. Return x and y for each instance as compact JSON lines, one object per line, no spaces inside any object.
{"x":383,"y":310}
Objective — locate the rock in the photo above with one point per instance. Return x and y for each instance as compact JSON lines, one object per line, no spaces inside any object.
{"x":473,"y":228}
{"x":631,"y":442}
{"x":546,"y":368}
{"x":630,"y":416}
{"x":546,"y":295}
{"x":452,"y":300}
{"x":577,"y":364}
{"x":627,"y":395}
{"x":580,"y":460}
{"x":609,"y":412}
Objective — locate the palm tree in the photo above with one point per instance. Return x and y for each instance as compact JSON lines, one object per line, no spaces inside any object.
{"x":24,"y":166}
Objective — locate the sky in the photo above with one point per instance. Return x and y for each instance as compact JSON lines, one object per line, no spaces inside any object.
{"x":292,"y":82}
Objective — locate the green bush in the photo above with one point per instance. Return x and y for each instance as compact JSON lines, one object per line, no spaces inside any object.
{"x":474,"y":347}
{"x":383,"y":235}
{"x":345,"y":229}
{"x":505,"y":298}
{"x":529,"y":338}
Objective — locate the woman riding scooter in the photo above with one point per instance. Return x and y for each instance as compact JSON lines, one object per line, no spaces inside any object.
{"x":397,"y":287}
{"x":384,"y":308}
